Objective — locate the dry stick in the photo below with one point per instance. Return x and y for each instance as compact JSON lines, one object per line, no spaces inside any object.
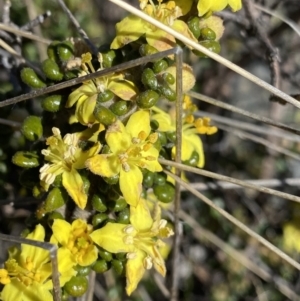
{"x":53,"y":257}
{"x":231,"y":180}
{"x":225,"y":185}
{"x":83,"y":34}
{"x":25,"y":34}
{"x":261,"y":141}
{"x":78,"y":80}
{"x":242,"y":112}
{"x":201,"y":233}
{"x":179,"y":113}
{"x":248,"y":126}
{"x":289,"y":22}
{"x":236,"y":222}
{"x":210,"y":54}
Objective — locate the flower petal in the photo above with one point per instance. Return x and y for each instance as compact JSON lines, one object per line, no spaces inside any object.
{"x":117,"y":138}
{"x":131,"y":184}
{"x":134,"y":271}
{"x":81,"y":156}
{"x":61,"y":231}
{"x":125,"y":89}
{"x":73,"y":183}
{"x":160,"y":40}
{"x":111,"y":238}
{"x":103,"y":165}
{"x":140,"y":216}
{"x":138,"y":122}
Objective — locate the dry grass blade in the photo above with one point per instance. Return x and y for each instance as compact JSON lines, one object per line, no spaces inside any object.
{"x":236,"y":222}
{"x":201,"y":233}
{"x":209,"y":174}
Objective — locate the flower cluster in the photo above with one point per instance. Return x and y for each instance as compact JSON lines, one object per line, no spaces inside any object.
{"x":95,"y":163}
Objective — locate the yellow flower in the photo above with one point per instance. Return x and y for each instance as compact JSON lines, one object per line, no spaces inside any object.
{"x":131,"y":149}
{"x":140,"y":240}
{"x":65,"y":157}
{"x":207,"y":6}
{"x":75,"y":240}
{"x":191,"y":142}
{"x":86,"y":95}
{"x":132,"y":28}
{"x":29,"y":271}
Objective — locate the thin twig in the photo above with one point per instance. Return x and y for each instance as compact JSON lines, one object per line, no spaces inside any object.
{"x":213,"y":175}
{"x":236,"y":222}
{"x":261,"y":141}
{"x":248,"y":126}
{"x":200,"y":233}
{"x":207,"y":52}
{"x":83,"y":34}
{"x":242,"y":112}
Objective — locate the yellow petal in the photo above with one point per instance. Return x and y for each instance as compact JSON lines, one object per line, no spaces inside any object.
{"x":205,"y":6}
{"x":152,"y":165}
{"x":140,"y":216}
{"x":66,"y":263}
{"x":85,"y":111}
{"x":125,"y":89}
{"x":128,"y":30}
{"x":134,"y":271}
{"x":139,"y":121}
{"x":131,"y":184}
{"x":111,"y":238}
{"x":73,"y":183}
{"x":160,"y":40}
{"x":185,"y":5}
{"x":117,"y":138}
{"x":164,"y":120}
{"x":61,"y":231}
{"x":235,"y":4}
{"x":13,"y":291}
{"x":81,"y":156}
{"x":103,"y":165}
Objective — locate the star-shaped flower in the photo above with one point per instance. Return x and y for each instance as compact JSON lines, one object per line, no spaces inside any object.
{"x":131,"y":148}
{"x":132,"y":27}
{"x":65,"y":157}
{"x":140,"y":240}
{"x":27,"y":273}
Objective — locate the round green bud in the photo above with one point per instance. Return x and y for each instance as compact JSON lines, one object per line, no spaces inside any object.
{"x":112,"y":180}
{"x":105,"y":96}
{"x":30,"y":78}
{"x":118,"y":205}
{"x":104,"y":115}
{"x":193,"y":24}
{"x":149,"y":79}
{"x":162,"y":138}
{"x":52,"y":103}
{"x":86,"y":183}
{"x":124,"y":216}
{"x":193,"y":160}
{"x":121,"y":256}
{"x":109,"y":58}
{"x":56,"y":198}
{"x":119,"y":108}
{"x":171,"y":136}
{"x":207,"y":34}
{"x":118,"y":266}
{"x":52,"y":51}
{"x":82,"y":271}
{"x":76,"y":286}
{"x":146,"y":49}
{"x":165,"y":193}
{"x":26,"y":159}
{"x":98,"y":203}
{"x":65,"y":50}
{"x":154,"y":125}
{"x":52,"y":70}
{"x":107,"y":256}
{"x":101,"y":266}
{"x":167,"y":92}
{"x":169,"y":78}
{"x":160,"y":179}
{"x":32,"y":128}
{"x":148,"y":179}
{"x":213,"y":46}
{"x":160,"y":66}
{"x":98,"y":219}
{"x":147,"y":99}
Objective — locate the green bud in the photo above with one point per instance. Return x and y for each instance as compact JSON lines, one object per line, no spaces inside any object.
{"x":146,"y":49}
{"x":52,"y":103}
{"x":52,"y":51}
{"x":52,"y":70}
{"x":104,"y":115}
{"x":26,"y":159}
{"x":107,"y":256}
{"x":193,"y":160}
{"x":101,"y":266}
{"x":82,"y":271}
{"x":76,"y":286}
{"x":98,"y":219}
{"x":193,"y":24}
{"x":56,"y":198}
{"x":119,"y":108}
{"x":105,"y":96}
{"x":32,"y":128}
{"x":124,"y":216}
{"x":160,"y":66}
{"x":160,"y":178}
{"x":147,"y":99}
{"x":208,"y":34}
{"x":65,"y":50}
{"x":213,"y":46}
{"x":30,"y":78}
{"x":118,"y":205}
{"x":169,"y":78}
{"x":118,"y":266}
{"x":165,"y":193}
{"x":109,"y":58}
{"x":148,"y":179}
{"x":149,"y":79}
{"x":167,"y":92}
{"x":98,"y":203}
